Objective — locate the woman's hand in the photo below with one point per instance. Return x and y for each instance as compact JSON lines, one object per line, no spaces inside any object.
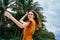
{"x":7,"y":14}
{"x":26,"y":13}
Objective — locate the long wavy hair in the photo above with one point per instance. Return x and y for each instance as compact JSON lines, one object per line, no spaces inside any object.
{"x":37,"y":19}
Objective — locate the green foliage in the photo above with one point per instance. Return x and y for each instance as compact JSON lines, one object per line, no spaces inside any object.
{"x":43,"y":35}
{"x":9,"y":30}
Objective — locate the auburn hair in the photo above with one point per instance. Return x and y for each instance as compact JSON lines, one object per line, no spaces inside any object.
{"x":37,"y":19}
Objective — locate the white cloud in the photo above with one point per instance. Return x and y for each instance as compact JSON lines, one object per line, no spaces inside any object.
{"x":52,"y":12}
{"x":49,"y":11}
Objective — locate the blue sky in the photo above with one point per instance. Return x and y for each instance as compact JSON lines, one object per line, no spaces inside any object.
{"x":51,"y":9}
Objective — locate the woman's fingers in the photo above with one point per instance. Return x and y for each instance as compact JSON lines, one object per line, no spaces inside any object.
{"x":7,"y":14}
{"x":27,"y":13}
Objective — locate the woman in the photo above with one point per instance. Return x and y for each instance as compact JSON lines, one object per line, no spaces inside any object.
{"x":29,"y":26}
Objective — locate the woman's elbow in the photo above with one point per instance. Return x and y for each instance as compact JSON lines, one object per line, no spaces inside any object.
{"x":21,"y":27}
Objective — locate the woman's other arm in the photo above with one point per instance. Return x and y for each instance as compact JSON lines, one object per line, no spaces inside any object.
{"x":21,"y":20}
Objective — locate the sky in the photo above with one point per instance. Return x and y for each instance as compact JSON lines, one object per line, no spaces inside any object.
{"x":51,"y":9}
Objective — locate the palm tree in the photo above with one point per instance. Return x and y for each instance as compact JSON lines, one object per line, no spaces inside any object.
{"x":5,"y":23}
{"x":3,"y":7}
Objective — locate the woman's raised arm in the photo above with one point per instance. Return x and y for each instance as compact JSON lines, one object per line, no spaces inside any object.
{"x":20,"y":25}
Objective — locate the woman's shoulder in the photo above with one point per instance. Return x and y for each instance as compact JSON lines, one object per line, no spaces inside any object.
{"x":32,"y":20}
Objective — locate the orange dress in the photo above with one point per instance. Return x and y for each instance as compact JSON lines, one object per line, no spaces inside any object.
{"x":29,"y":30}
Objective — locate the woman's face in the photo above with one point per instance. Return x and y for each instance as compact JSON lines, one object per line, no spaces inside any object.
{"x":30,"y":15}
